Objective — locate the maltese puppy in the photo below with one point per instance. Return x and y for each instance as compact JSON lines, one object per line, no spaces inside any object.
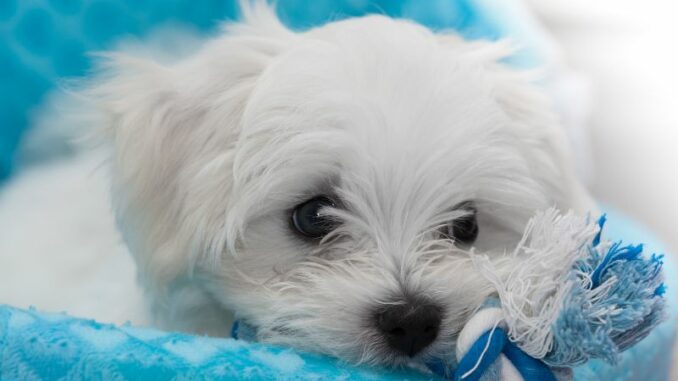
{"x":327,"y":186}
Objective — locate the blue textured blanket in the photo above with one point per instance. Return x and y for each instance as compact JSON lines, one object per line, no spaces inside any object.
{"x":39,"y":346}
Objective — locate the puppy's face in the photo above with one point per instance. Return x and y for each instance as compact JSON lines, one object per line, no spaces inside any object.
{"x":328,"y":186}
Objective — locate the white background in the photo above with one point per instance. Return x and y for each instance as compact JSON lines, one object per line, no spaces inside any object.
{"x":627,"y":51}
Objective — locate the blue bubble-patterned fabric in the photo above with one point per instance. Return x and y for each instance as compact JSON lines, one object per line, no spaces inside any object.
{"x":45,"y":41}
{"x":41,"y":346}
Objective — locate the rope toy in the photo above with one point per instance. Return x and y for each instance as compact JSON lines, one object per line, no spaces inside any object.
{"x":569,"y":298}
{"x":485,"y":352}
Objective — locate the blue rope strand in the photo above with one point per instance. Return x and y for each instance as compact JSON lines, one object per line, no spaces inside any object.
{"x":530,"y":368}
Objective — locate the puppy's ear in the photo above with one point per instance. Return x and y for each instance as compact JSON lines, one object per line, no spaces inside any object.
{"x":172,"y":129}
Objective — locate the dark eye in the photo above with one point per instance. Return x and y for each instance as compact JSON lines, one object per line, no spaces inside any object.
{"x":463,"y":230}
{"x":308,"y":220}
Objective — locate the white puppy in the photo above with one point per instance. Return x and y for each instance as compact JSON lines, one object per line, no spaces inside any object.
{"x":327,"y":186}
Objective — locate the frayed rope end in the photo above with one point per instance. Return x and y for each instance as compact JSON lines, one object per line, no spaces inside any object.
{"x":571,"y":297}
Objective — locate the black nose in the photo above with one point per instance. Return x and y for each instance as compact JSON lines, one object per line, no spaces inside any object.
{"x":409,"y":328}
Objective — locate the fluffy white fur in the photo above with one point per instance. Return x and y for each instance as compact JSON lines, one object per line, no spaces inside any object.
{"x":209,"y":155}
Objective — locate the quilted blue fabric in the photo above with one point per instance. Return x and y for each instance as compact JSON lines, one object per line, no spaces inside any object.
{"x":44,"y":41}
{"x":38,"y":346}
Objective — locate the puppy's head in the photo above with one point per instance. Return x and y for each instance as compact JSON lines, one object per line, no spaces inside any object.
{"x":328,"y":185}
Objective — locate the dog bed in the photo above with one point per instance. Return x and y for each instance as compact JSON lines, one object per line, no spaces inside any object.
{"x":40,"y":346}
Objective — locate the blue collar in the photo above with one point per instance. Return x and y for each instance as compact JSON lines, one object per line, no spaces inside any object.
{"x":243,"y":331}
